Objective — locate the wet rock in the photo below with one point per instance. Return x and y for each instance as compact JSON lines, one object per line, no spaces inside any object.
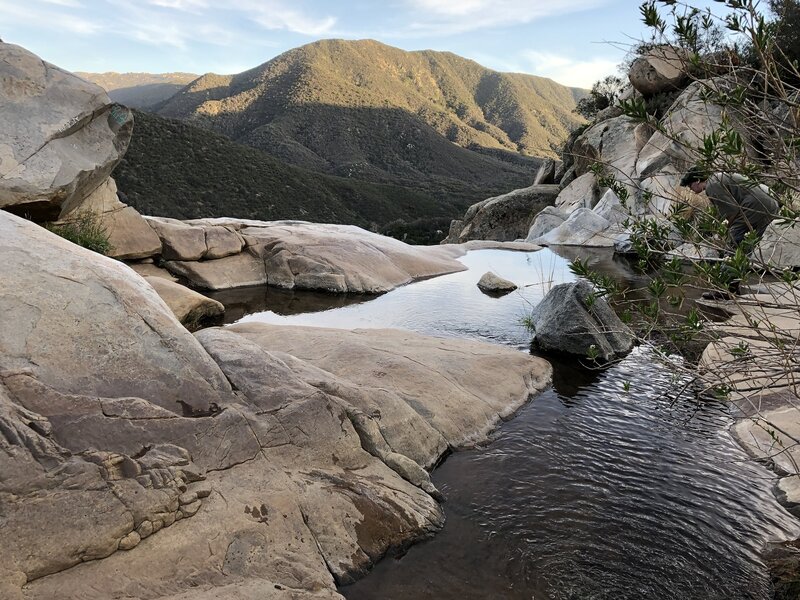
{"x":783,"y":561}
{"x":572,"y":320}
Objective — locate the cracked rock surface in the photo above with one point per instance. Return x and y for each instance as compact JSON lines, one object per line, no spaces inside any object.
{"x":139,"y":461}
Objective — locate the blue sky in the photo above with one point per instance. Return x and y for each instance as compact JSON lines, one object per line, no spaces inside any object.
{"x":571,"y":41}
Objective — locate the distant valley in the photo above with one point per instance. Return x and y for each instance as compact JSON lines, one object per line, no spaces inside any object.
{"x":140,"y":90}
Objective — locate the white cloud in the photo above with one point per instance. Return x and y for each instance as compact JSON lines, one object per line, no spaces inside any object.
{"x":445,"y":17}
{"x":194,"y":6}
{"x":568,"y":71}
{"x":159,"y":34}
{"x":30,"y":14}
{"x":69,"y":3}
{"x":272,"y":14}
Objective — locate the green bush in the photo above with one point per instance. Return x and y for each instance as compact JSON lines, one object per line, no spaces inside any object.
{"x":85,"y":229}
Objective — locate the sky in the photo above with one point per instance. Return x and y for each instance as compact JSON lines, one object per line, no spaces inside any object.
{"x":574,"y":42}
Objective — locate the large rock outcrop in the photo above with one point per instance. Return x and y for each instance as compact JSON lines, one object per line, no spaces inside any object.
{"x":60,"y":136}
{"x":129,"y":235}
{"x":583,"y":227}
{"x":503,"y":218}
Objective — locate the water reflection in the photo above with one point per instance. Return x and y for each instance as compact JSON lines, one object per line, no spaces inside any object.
{"x":448,"y":305}
{"x":241,"y":302}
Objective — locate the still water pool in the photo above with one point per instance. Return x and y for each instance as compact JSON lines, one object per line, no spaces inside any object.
{"x":591,"y":491}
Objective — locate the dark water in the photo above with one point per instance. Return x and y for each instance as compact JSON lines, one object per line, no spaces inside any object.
{"x":591,"y":491}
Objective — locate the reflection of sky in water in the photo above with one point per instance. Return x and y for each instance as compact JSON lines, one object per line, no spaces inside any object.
{"x":452,"y":304}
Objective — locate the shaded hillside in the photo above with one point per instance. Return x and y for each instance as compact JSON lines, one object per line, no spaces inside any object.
{"x":140,"y":90}
{"x":364,"y":109}
{"x":177,"y":170}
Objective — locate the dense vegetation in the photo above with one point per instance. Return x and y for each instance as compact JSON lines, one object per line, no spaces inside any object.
{"x":177,"y":170}
{"x":364,"y":109}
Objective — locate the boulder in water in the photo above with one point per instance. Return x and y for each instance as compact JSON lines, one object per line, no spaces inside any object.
{"x":571,"y":319}
{"x":493,"y":284}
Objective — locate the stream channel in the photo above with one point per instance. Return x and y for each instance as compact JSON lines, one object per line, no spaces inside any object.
{"x":590,"y":491}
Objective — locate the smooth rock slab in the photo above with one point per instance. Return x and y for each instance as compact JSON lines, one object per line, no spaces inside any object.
{"x":87,"y":324}
{"x":240,"y":270}
{"x":342,"y":258}
{"x":325,"y":488}
{"x":462,"y":388}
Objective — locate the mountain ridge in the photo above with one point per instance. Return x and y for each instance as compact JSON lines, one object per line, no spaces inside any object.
{"x":466,"y":103}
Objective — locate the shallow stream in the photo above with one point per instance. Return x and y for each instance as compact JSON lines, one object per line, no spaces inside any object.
{"x":591,"y":491}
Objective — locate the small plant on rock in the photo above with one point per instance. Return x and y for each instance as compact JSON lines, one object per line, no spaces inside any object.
{"x":85,"y":229}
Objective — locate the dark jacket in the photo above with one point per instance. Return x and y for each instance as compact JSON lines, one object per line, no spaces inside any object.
{"x":747,"y":206}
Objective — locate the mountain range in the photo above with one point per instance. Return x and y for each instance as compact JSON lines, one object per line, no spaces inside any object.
{"x":429,"y":124}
